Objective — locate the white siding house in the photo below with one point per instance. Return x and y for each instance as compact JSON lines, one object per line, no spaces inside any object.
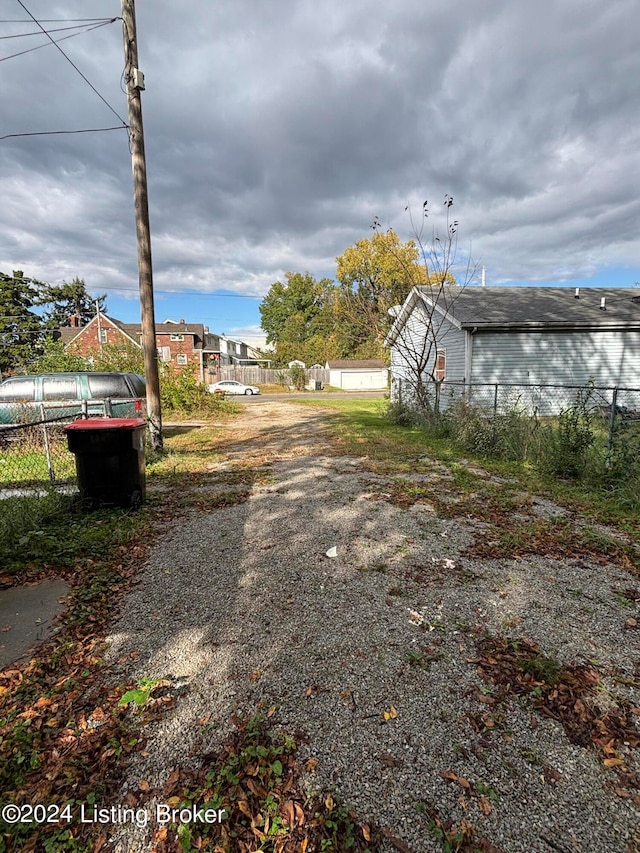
{"x":518,"y":335}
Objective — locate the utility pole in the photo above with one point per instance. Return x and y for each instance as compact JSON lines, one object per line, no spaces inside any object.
{"x":135,"y":83}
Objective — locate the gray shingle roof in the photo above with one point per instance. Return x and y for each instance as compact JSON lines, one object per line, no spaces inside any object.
{"x":543,"y":306}
{"x":356,"y":364}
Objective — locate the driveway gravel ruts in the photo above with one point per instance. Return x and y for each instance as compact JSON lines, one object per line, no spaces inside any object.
{"x":241,"y":604}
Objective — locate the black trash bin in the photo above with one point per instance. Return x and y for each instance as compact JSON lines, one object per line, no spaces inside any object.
{"x":109,"y":460}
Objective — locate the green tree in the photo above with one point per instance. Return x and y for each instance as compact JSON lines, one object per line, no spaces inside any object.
{"x":297,"y":317}
{"x":375,"y":274}
{"x":20,"y":328}
{"x":54,"y":359}
{"x":67,"y":299}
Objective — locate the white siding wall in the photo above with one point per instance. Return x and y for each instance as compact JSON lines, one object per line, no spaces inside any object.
{"x":417,"y":337}
{"x":557,"y":358}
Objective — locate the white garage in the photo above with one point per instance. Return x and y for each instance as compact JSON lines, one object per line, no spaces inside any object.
{"x":364,"y":375}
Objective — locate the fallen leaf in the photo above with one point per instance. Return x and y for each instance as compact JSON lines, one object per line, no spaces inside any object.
{"x":311,"y":764}
{"x":485,"y":805}
{"x":143,"y":785}
{"x":449,"y":775}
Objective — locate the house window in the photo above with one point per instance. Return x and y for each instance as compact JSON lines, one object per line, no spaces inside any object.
{"x":181,"y":358}
{"x":103,"y":336}
{"x":441,"y":366}
{"x":164,"y":353}
{"x":178,"y":338}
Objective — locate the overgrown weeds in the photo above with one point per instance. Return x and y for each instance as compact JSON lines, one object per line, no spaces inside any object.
{"x":254,"y":780}
{"x":51,"y":534}
{"x":570,"y":448}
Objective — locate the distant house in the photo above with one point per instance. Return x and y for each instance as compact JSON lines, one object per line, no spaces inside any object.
{"x":520,"y":335}
{"x":368,"y":374}
{"x":179,"y":344}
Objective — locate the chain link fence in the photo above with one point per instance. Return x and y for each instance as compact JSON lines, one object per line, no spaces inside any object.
{"x":617,"y":410}
{"x":34,"y":457}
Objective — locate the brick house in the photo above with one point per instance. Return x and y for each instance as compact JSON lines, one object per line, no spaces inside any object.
{"x":179,"y":344}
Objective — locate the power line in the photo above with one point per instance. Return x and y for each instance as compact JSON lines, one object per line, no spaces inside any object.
{"x":72,"y":63}
{"x":51,"y":20}
{"x":57,"y":132}
{"x":64,"y":38}
{"x":56,"y":30}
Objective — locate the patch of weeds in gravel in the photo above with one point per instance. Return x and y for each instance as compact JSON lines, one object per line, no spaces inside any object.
{"x":558,"y":538}
{"x":252,"y":782}
{"x":462,"y":837}
{"x":422,"y":657}
{"x":573,"y":696}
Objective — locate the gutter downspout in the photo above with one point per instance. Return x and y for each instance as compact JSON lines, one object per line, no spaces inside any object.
{"x":468,"y":354}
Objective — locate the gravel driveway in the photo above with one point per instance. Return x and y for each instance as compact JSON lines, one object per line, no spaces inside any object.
{"x":241,"y":604}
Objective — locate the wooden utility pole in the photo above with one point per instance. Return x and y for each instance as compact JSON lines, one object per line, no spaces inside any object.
{"x":135,"y":83}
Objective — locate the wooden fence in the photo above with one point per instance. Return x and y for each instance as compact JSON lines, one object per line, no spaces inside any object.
{"x":254,"y":375}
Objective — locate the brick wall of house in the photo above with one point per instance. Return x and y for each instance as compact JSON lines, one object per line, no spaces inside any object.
{"x":87,"y":340}
{"x":176,"y":354}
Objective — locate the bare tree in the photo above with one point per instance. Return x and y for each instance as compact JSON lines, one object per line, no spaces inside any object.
{"x":418,"y":364}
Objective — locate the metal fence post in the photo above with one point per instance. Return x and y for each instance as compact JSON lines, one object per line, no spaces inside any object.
{"x":84,"y":409}
{"x":47,"y":449}
{"x":495,"y":400}
{"x":436,"y":405}
{"x":612,"y":420}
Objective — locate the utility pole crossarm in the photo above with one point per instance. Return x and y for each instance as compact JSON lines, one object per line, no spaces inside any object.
{"x":135,"y":82}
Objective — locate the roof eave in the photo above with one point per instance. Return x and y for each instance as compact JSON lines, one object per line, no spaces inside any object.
{"x":586,"y":327}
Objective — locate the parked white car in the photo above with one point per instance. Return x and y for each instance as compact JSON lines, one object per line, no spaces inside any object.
{"x":230,"y":386}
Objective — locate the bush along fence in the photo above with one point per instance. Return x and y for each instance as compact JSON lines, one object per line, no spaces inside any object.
{"x":571,"y":431}
{"x":34,"y":458}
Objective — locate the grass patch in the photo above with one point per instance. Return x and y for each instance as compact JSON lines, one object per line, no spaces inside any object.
{"x":50,"y":534}
{"x":361,"y":429}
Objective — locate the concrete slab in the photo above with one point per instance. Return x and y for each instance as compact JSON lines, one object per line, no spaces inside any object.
{"x":26,"y":617}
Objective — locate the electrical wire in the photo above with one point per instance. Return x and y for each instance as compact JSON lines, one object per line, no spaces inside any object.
{"x":72,"y":63}
{"x":56,"y":30}
{"x":64,"y":38}
{"x":52,"y":20}
{"x":59,"y":132}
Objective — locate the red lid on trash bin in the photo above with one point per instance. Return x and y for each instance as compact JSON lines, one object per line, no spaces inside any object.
{"x":107,"y":423}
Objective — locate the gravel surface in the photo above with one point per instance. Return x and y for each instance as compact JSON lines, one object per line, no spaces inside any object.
{"x":242,"y":604}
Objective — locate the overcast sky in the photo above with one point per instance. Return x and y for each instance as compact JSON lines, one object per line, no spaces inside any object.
{"x":276,"y":131}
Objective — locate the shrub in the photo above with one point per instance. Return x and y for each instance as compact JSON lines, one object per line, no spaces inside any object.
{"x":181,"y":392}
{"x":298,"y":377}
{"x":567,"y":447}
